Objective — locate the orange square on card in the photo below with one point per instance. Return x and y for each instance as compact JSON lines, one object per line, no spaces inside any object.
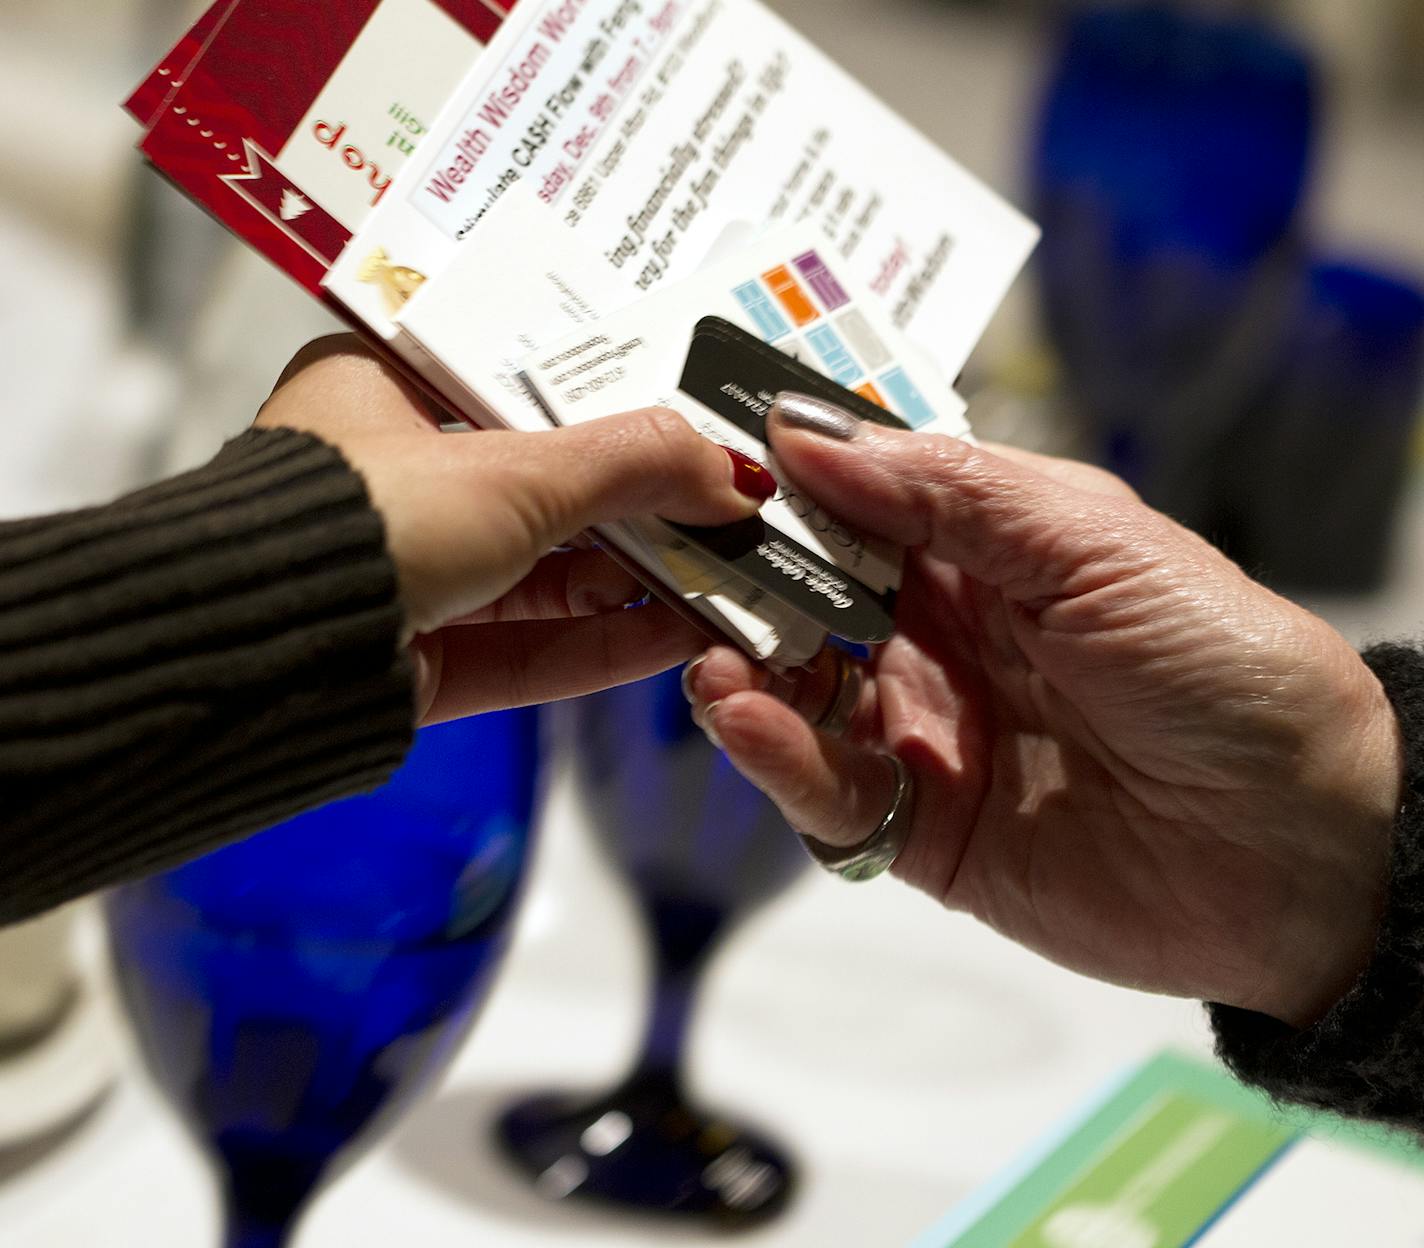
{"x":868,"y":391}
{"x":790,"y":295}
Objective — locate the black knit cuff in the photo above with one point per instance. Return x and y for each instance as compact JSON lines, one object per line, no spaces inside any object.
{"x":192,"y":663}
{"x":1366,"y":1057}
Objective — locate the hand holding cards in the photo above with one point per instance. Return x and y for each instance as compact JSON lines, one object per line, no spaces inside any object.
{"x":615,"y":205}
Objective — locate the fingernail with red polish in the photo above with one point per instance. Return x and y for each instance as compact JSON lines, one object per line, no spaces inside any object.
{"x":750,"y":478}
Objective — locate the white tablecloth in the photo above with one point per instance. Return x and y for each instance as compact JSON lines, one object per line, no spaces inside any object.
{"x":903,"y":1054}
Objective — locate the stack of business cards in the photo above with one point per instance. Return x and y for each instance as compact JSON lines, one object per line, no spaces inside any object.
{"x":555,"y":210}
{"x":718,"y":347}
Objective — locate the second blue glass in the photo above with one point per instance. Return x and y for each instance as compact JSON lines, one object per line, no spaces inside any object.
{"x":701,"y":848}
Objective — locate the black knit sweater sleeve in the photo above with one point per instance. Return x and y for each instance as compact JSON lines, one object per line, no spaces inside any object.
{"x":192,"y":663}
{"x":1366,"y":1057}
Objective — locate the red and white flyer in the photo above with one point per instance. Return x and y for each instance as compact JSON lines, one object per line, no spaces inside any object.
{"x":293,"y":118}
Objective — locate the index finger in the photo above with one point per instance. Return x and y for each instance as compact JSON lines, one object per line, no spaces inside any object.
{"x":647,"y":463}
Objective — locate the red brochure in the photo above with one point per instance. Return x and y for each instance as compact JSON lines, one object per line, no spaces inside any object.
{"x":152,"y":94}
{"x":292,"y":119}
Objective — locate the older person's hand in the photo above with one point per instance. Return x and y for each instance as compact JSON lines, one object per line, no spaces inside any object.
{"x":496,"y":619}
{"x":1128,"y":755}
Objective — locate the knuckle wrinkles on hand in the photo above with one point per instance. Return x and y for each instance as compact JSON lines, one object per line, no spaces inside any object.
{"x":938,"y":453}
{"x":538,"y":514}
{"x":952,"y":479}
{"x":671,"y":437}
{"x":934,"y":467}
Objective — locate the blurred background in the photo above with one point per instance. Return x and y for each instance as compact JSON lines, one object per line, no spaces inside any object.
{"x":1226,"y":309}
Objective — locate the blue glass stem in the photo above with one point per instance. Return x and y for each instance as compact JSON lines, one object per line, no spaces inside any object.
{"x":263,"y":1202}
{"x":684,"y":933}
{"x":243,"y":1233}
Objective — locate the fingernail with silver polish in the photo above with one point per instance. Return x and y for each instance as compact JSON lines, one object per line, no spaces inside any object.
{"x":689,"y":674}
{"x":707,"y":721}
{"x":801,"y":411}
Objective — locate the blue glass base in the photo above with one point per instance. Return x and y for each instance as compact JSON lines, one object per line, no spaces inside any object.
{"x":644,"y":1148}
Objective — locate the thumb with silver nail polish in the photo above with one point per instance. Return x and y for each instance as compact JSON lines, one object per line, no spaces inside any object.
{"x":802,"y":412}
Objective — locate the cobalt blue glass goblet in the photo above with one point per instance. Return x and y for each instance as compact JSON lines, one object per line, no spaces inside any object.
{"x":1169,"y":167}
{"x":1320,"y":472}
{"x":293,"y":992}
{"x":701,"y":848}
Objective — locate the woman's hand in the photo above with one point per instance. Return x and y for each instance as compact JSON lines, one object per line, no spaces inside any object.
{"x":1128,"y":755}
{"x":495,"y":618}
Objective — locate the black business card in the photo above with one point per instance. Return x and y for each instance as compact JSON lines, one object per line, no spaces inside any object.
{"x":737,"y":376}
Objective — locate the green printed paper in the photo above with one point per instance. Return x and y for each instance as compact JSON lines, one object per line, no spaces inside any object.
{"x":1160,"y":1181}
{"x":1154,"y":1165}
